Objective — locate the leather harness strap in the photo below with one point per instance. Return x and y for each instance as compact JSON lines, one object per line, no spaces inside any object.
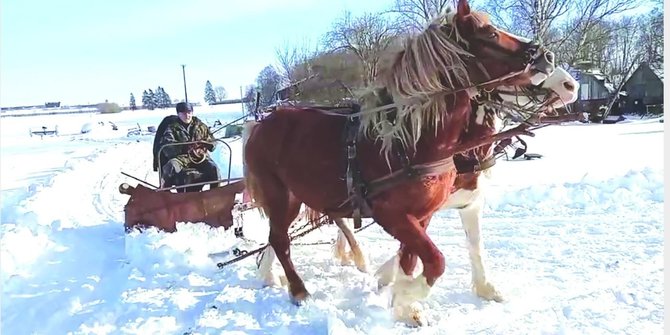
{"x":472,"y":165}
{"x":411,"y":172}
{"x":355,"y":184}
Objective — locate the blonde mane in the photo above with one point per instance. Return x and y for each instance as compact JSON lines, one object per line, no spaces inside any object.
{"x":430,"y":63}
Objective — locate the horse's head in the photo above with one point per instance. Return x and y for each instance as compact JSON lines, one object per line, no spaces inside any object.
{"x":557,"y":91}
{"x":521,"y":103}
{"x":497,"y":54}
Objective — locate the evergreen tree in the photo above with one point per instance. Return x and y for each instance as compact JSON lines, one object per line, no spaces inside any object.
{"x":210,"y":96}
{"x":146,"y":100}
{"x":168,"y":101}
{"x":132,"y":102}
{"x":152,"y":100}
{"x":158,"y":97}
{"x":162,"y":100}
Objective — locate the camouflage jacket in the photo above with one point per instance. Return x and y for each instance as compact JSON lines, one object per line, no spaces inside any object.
{"x":179,"y":132}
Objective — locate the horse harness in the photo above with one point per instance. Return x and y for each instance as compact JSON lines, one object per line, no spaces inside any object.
{"x":359,"y":191}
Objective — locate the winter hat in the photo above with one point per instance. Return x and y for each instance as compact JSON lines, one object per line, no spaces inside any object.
{"x":184,"y":107}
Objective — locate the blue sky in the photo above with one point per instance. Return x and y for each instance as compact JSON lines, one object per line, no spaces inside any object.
{"x":87,"y":51}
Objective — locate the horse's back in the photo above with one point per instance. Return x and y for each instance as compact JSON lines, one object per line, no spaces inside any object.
{"x":295,"y":131}
{"x":304,"y":149}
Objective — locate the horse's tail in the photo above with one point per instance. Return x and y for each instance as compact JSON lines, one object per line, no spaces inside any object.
{"x":254,"y":193}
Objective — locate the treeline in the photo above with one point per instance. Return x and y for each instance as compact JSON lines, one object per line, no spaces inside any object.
{"x":161,"y":99}
{"x":350,"y":55}
{"x":152,"y":100}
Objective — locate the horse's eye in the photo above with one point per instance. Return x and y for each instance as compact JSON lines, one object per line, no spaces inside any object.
{"x":492,"y":35}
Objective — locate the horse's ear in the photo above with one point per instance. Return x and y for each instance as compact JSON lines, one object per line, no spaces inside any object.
{"x":463,"y":8}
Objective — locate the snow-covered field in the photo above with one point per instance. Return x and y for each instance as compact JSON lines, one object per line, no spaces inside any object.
{"x":574,"y":243}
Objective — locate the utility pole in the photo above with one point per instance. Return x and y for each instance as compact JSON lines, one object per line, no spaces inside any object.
{"x":183,"y":72}
{"x":241,"y":99}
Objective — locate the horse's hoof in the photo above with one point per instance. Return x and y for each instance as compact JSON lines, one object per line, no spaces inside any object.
{"x":411,"y":315}
{"x":486,"y":291}
{"x":360,"y":262}
{"x":407,"y":290}
{"x":300,"y":298}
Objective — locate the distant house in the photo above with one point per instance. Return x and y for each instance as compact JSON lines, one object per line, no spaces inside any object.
{"x":595,"y":90}
{"x":52,"y":104}
{"x":644,"y":90}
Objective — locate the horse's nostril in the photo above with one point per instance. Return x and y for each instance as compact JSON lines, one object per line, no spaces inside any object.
{"x":568,"y":86}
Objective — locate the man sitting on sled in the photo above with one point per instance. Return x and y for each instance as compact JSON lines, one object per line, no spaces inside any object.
{"x":179,"y":161}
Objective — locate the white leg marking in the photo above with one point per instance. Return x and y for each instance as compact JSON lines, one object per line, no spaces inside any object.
{"x":340,"y":248}
{"x":470,"y":217}
{"x":266,"y":270}
{"x":407,"y":291}
{"x":387,"y":272}
{"x":346,"y":232}
{"x":359,"y":258}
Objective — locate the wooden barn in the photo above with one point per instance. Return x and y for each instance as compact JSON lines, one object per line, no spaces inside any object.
{"x":644,"y":90}
{"x":595,"y":90}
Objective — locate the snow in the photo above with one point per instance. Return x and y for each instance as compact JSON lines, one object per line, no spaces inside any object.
{"x":574,"y":243}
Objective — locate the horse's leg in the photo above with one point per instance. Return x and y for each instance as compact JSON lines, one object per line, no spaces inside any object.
{"x":356,"y":252}
{"x":470,"y":217}
{"x":339,"y":249}
{"x":406,"y":310}
{"x":282,"y":208}
{"x":266,"y":270}
{"x":407,"y":290}
{"x":387,"y":272}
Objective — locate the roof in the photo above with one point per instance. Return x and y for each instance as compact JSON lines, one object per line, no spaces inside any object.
{"x":597,"y":75}
{"x":658,"y":70}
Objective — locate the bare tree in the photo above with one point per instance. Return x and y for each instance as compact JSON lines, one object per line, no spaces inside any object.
{"x":367,"y":37}
{"x":556,"y":23}
{"x":267,"y":83}
{"x":651,"y":36}
{"x":330,"y":77}
{"x":290,"y":59}
{"x":531,"y":18}
{"x":220,"y":93}
{"x":622,"y":50}
{"x":415,"y":15}
{"x":586,"y":15}
{"x":250,"y":98}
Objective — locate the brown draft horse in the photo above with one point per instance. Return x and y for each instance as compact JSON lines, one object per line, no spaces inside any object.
{"x":467,"y":195}
{"x":296,"y":155}
{"x":555,"y":93}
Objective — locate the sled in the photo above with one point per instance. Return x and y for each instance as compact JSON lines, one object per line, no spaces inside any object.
{"x":44,"y":131}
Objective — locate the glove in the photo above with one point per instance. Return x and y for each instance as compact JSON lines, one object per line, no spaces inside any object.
{"x":197,"y":151}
